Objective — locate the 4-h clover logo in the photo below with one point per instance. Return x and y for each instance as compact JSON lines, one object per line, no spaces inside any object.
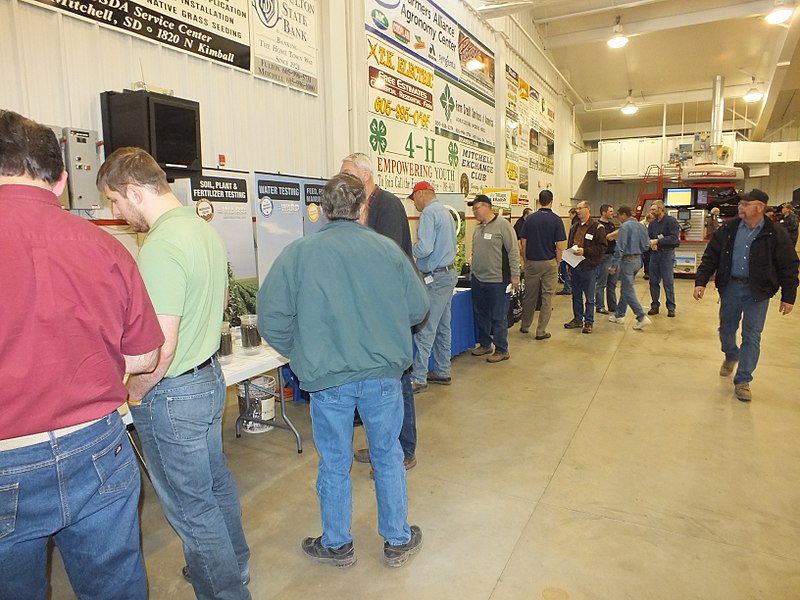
{"x":377,"y":138}
{"x":452,"y":154}
{"x":447,"y":102}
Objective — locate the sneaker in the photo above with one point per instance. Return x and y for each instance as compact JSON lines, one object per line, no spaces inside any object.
{"x":642,"y":323}
{"x":362,"y":455}
{"x":544,"y":336}
{"x":602,"y":311}
{"x":185,"y":573}
{"x":418,"y":388}
{"x":616,"y":319}
{"x":498,"y":356}
{"x":587,"y":328}
{"x":742,"y":391}
{"x":670,"y":313}
{"x":342,"y":557}
{"x":480,"y":351}
{"x":652,"y":311}
{"x":727,"y":367}
{"x":397,"y":556}
{"x":573,"y":324}
{"x":439,"y":380}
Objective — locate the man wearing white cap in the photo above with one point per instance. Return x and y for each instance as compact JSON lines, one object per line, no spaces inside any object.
{"x":752,"y":258}
{"x":434,"y":250}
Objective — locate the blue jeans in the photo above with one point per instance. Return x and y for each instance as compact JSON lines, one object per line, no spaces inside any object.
{"x":737,"y":304}
{"x":408,"y":432}
{"x":83,"y":490}
{"x":565,"y":272}
{"x":180,"y":426}
{"x":606,"y":289}
{"x":490,"y":309}
{"x":662,"y":265}
{"x":583,"y":286}
{"x":434,"y":336}
{"x":380,"y":405}
{"x":628,"y":267}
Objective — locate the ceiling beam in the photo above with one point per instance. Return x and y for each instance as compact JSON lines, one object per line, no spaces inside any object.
{"x":680,"y":97}
{"x":655,"y":131}
{"x":725,"y":13}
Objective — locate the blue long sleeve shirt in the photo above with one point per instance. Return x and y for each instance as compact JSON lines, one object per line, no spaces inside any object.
{"x":666,"y":231}
{"x":632,"y":239}
{"x":436,"y":238}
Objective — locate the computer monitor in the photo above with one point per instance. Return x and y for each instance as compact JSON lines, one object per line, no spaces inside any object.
{"x":684,"y":214}
{"x":701,"y":197}
{"x":678,"y":197}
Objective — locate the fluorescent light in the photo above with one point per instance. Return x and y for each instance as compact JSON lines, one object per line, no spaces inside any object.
{"x":474,"y":64}
{"x":780,"y":14}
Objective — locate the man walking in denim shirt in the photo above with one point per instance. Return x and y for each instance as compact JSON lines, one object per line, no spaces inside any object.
{"x":752,"y":257}
{"x":435,"y":251}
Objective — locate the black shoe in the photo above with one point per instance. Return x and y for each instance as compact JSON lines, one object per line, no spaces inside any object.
{"x":185,"y":573}
{"x":397,"y":556}
{"x":438,"y":379}
{"x":342,"y":557}
{"x":670,"y":313}
{"x":652,"y":311}
{"x":573,"y":324}
{"x":418,"y":388}
{"x":563,"y":293}
{"x":587,"y":328}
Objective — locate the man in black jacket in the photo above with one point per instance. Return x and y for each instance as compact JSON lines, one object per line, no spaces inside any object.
{"x":752,"y":257}
{"x":587,"y":238}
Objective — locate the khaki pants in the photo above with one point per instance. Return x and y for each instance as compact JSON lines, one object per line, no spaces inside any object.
{"x":539,"y":275}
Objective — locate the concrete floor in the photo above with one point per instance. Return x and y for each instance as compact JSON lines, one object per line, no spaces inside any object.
{"x":605,"y":466}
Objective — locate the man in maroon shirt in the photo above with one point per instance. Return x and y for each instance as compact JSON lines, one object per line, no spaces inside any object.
{"x":76,"y":317}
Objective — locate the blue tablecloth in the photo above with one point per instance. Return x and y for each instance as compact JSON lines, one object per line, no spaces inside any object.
{"x":462,"y":322}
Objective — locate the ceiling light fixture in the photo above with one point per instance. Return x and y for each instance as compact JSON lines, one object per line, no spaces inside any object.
{"x":753,"y":94}
{"x":781,"y":13}
{"x":629,"y":108}
{"x":619,"y":39}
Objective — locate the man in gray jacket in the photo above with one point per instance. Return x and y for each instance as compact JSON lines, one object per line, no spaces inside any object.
{"x":495,"y":267}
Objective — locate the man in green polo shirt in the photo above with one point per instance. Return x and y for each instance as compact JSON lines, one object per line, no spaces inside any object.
{"x":177,"y":409}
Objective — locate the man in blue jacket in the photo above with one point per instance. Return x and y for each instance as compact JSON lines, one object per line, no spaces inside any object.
{"x":340,"y":305}
{"x":752,"y":257}
{"x":664,"y":233}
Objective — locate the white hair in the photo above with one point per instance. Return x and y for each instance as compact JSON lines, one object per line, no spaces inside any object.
{"x":361,"y":161}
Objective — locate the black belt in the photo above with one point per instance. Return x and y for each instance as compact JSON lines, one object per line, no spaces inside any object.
{"x":449,"y":267}
{"x":202,"y":365}
{"x":740,"y":279}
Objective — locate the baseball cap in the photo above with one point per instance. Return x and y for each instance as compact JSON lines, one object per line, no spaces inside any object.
{"x":754,"y":194}
{"x":481,"y":198}
{"x":422,"y":185}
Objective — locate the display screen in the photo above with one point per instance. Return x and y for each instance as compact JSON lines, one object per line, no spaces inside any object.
{"x":702,"y":197}
{"x":174,"y":136}
{"x":678,"y":197}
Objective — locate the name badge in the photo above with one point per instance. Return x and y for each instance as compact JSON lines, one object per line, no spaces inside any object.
{"x":589,"y":237}
{"x":487,"y":236}
{"x":661,"y":236}
{"x":428,"y":279}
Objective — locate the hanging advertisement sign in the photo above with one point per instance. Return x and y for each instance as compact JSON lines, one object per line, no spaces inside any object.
{"x":419,"y":28}
{"x":500,"y":197}
{"x":477,"y":168}
{"x":216,"y":30}
{"x":279,"y":219}
{"x":477,"y":62}
{"x":463,"y":114}
{"x":400,"y":85}
{"x":285,"y":43}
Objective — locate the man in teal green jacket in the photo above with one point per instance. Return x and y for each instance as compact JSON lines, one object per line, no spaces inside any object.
{"x":340,"y":306}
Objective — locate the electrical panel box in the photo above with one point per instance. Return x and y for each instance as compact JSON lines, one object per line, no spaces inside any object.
{"x":82,"y":162}
{"x":59,"y":131}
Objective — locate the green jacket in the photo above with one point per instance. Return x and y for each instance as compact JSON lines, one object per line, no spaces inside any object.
{"x":340,"y":305}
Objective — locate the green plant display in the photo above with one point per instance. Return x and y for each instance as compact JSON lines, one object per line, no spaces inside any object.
{"x":241,"y":298}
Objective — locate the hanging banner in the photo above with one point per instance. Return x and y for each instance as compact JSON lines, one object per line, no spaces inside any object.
{"x":285,"y":43}
{"x":279,"y":218}
{"x":477,"y":62}
{"x":463,"y":114}
{"x":217,"y":30}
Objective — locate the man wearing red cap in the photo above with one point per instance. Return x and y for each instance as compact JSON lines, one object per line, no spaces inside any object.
{"x":434,"y":250}
{"x":752,"y":258}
